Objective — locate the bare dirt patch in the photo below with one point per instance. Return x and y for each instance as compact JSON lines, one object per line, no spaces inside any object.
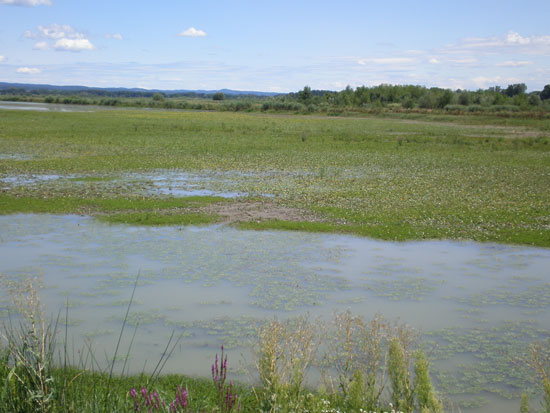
{"x":250,"y":211}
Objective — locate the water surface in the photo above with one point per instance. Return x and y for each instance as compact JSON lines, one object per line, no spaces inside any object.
{"x":478,"y":305}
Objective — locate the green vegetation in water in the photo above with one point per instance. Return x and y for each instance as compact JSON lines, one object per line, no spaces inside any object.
{"x":500,"y":355}
{"x":150,"y":211}
{"x":148,"y":218}
{"x":402,"y":288}
{"x":482,"y":178}
{"x":92,"y":179}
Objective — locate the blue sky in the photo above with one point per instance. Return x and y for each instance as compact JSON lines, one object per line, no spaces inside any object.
{"x":275,"y":46}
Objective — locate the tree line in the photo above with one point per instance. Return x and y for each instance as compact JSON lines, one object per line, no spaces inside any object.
{"x":513,"y":98}
{"x":411,"y":96}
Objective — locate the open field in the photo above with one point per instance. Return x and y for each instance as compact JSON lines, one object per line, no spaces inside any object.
{"x":403,"y":177}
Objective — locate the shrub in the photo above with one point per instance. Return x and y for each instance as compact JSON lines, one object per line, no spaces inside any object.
{"x":28,"y":353}
{"x":218,"y":96}
{"x":158,"y":97}
{"x":284,"y":353}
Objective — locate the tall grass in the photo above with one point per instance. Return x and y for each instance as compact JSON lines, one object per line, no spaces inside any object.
{"x":540,"y":364}
{"x":27,"y":351}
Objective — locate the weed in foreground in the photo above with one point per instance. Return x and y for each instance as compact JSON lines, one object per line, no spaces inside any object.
{"x":540,"y":364}
{"x":227,"y":399}
{"x":27,"y":350}
{"x":284,"y":352}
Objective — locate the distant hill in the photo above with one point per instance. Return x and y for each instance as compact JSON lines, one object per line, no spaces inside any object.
{"x":42,"y":87}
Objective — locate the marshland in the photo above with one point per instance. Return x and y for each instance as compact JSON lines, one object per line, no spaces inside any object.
{"x":152,"y":237}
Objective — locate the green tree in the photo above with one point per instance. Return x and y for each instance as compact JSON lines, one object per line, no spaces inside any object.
{"x":545,"y":94}
{"x":534,"y":99}
{"x":464,"y":99}
{"x":515,"y":89}
{"x":445,"y":98}
{"x":158,"y":97}
{"x":305,"y":95}
{"x":427,"y":101}
{"x":218,"y":96}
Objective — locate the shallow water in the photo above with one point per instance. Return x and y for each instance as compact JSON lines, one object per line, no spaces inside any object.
{"x":477,"y":305}
{"x":165,"y":183}
{"x":45,"y":107}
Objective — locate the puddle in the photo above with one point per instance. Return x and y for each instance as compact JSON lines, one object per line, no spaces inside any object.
{"x":182,"y":184}
{"x":164,"y":183}
{"x":477,"y":305}
{"x":24,"y":180}
{"x":16,"y":156}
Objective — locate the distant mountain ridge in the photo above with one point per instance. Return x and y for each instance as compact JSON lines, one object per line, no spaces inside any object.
{"x":75,"y":88}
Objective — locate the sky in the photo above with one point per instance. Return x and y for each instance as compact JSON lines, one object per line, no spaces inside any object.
{"x":275,"y":46}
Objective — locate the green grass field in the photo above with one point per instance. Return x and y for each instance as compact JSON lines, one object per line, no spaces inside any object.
{"x":397,"y":177}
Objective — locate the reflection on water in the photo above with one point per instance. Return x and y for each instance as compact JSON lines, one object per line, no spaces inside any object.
{"x":45,"y":107}
{"x":161,"y":182}
{"x":476,"y":304}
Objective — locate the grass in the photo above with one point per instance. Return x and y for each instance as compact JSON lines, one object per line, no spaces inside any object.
{"x":393,"y":176}
{"x":171,"y":211}
{"x":145,"y":218}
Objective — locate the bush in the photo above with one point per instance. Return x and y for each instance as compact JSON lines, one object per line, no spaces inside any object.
{"x":158,"y":97}
{"x":218,"y":96}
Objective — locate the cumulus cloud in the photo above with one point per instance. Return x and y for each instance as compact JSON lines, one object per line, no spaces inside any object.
{"x":28,"y":70}
{"x":54,"y":31}
{"x":2,"y":58}
{"x":192,"y":32}
{"x":116,"y":36}
{"x":59,"y":37}
{"x":73,"y":45}
{"x":26,"y":3}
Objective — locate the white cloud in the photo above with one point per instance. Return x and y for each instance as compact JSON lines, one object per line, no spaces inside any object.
{"x":2,"y":58}
{"x":484,"y":81}
{"x":59,"y":37}
{"x":510,"y":42}
{"x":192,"y":32}
{"x":515,"y":63}
{"x":464,"y":61}
{"x":26,"y":3}
{"x":516,"y":38}
{"x":434,"y":61}
{"x":387,"y":60}
{"x":57,"y":31}
{"x":116,"y":36}
{"x":40,"y":46}
{"x":28,"y":70}
{"x":73,"y":45}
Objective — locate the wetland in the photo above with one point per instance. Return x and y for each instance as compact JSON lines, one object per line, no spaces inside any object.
{"x":233,"y":219}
